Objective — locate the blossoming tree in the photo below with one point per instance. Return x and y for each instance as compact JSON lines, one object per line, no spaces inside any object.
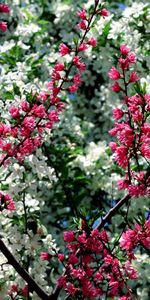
{"x":95,"y":260}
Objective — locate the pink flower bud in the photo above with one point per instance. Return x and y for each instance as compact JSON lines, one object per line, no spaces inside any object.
{"x":25,"y":291}
{"x":82,"y":25}
{"x":73,"y":88}
{"x":104,"y":12}
{"x":92,"y":42}
{"x":82,"y":14}
{"x":14,"y":288}
{"x":4,"y":8}
{"x":114,"y":74}
{"x":63,"y":49}
{"x":124,"y":49}
{"x":134,"y":77}
{"x":45,"y":256}
{"x":116,"y":87}
{"x":3,"y":26}
{"x":61,"y":256}
{"x":124,"y":63}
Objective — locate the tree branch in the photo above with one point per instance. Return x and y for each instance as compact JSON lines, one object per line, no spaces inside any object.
{"x":113,"y":211}
{"x":23,"y":273}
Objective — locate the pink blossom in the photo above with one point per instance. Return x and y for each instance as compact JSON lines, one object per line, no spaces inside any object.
{"x":6,"y":147}
{"x":114,"y":285}
{"x":82,"y":238}
{"x":14,"y":111}
{"x":108,"y":260}
{"x":116,"y":87}
{"x":131,"y":238}
{"x":62,"y":281}
{"x":98,"y":277}
{"x":83,"y":47}
{"x":121,"y":156}
{"x":4,"y":8}
{"x":113,"y":131}
{"x":82,"y":25}
{"x":135,"y":100}
{"x":72,"y":259}
{"x":29,"y":123}
{"x":69,"y":236}
{"x":114,"y":74}
{"x":130,"y":271}
{"x":92,"y":42}
{"x":147,"y":98}
{"x":14,"y":288}
{"x":77,"y":79}
{"x":55,"y":75}
{"x":7,"y":202}
{"x":53,"y":116}
{"x":3,"y":26}
{"x":104,"y":12}
{"x":24,"y":106}
{"x":25,"y":291}
{"x":132,"y":58}
{"x":124,"y":63}
{"x":123,"y":184}
{"x":63,"y":49}
{"x":145,"y":150}
{"x":78,"y":273}
{"x":137,"y":190}
{"x":45,"y":256}
{"x":10,"y":205}
{"x":117,"y":113}
{"x":59,"y":67}
{"x":39,"y":111}
{"x":124,"y":50}
{"x":113,"y":146}
{"x":133,"y":77}
{"x":61,"y":256}
{"x":70,"y":288}
{"x":77,"y":61}
{"x":82,"y":14}
{"x":73,"y":88}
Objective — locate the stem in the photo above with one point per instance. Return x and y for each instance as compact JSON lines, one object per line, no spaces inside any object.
{"x":113,"y":211}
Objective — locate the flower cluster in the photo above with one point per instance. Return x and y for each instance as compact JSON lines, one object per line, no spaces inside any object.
{"x":131,"y":128}
{"x":4,"y":8}
{"x":60,"y":74}
{"x":29,"y":119}
{"x":6,"y":202}
{"x":23,"y":134}
{"x":140,"y":235}
{"x":92,"y":269}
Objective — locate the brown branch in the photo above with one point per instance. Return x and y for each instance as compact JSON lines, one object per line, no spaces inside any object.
{"x":113,"y":211}
{"x":23,"y":273}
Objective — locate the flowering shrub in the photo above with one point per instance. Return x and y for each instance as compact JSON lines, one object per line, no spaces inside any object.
{"x":92,"y":268}
{"x":133,"y":130}
{"x":49,"y":172}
